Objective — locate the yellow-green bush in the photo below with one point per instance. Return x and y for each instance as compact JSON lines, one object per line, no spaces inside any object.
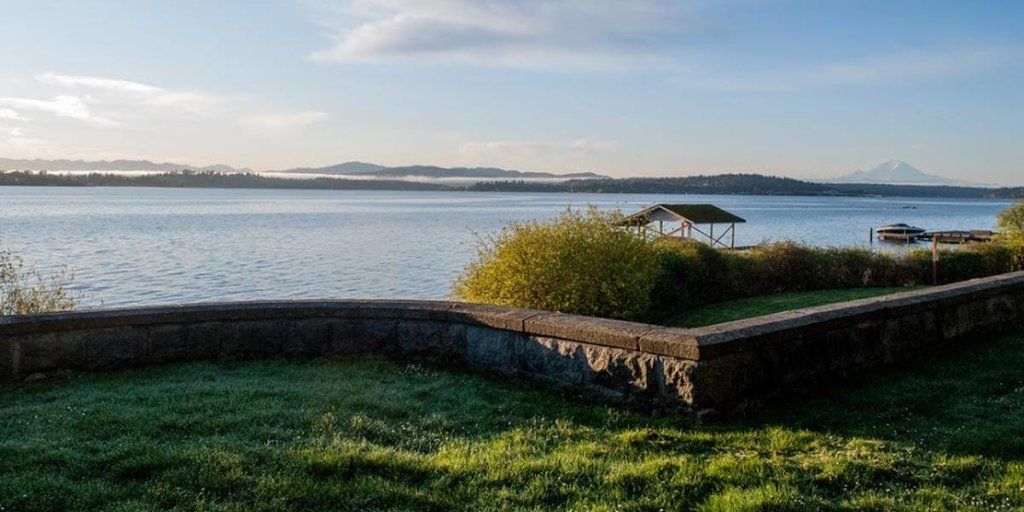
{"x":1011,"y":222}
{"x":25,"y":290}
{"x":579,"y":263}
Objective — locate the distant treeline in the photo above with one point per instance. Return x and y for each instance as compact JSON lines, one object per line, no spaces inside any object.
{"x":189,"y":179}
{"x":725,"y":184}
{"x":745,"y":184}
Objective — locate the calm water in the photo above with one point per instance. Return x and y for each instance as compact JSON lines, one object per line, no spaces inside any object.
{"x":148,"y":246}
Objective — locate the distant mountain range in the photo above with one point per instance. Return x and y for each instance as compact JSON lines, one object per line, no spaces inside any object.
{"x":896,"y":172}
{"x":107,"y":165}
{"x":893,"y":172}
{"x":430,"y":171}
{"x":349,"y":169}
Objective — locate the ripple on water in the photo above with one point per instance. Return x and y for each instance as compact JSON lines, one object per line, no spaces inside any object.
{"x":148,"y":246}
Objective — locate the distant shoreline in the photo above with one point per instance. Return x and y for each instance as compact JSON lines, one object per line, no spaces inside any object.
{"x":723,"y":184}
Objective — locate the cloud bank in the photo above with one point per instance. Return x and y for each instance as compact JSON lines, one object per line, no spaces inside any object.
{"x":587,"y":34}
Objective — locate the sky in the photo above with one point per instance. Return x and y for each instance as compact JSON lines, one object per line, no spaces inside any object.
{"x":805,"y":89}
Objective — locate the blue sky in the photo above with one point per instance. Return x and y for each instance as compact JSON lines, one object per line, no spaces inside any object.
{"x":645,"y":87}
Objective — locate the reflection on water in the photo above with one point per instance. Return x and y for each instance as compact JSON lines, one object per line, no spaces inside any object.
{"x":148,"y":246}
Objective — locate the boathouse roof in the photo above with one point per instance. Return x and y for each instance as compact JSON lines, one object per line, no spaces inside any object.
{"x":694,"y":213}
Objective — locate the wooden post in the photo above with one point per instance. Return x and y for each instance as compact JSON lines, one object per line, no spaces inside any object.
{"x":711,"y":237}
{"x":733,"y":243}
{"x":871,"y":237}
{"x":935,"y":260}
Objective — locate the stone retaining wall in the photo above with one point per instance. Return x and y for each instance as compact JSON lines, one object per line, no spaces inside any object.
{"x":606,"y":359}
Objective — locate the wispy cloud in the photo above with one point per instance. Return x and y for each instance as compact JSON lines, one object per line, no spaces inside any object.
{"x":72,"y":107}
{"x":525,"y":154}
{"x":287,"y":121}
{"x":98,"y":83}
{"x":11,"y":115}
{"x":117,"y":92}
{"x":593,"y":34}
{"x":905,"y":65}
{"x":16,"y":138}
{"x":897,"y":67}
{"x":113,"y":102}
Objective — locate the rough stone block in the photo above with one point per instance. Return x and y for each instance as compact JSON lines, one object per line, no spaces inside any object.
{"x":961,"y":319}
{"x":47,"y":352}
{"x":346,"y":338}
{"x":252,"y":339}
{"x":116,"y":347}
{"x":675,"y":381}
{"x":188,"y":342}
{"x":1002,"y":309}
{"x":626,"y":372}
{"x":728,"y":378}
{"x":433,"y":340}
{"x":491,"y":349}
{"x":903,"y":335}
{"x":9,"y":359}
{"x":382,"y":334}
{"x":307,"y":338}
{"x":555,"y":360}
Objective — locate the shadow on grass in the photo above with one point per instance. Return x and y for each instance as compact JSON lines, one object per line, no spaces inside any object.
{"x":968,"y":399}
{"x":369,"y":434}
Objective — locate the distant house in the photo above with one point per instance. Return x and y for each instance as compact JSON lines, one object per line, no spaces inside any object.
{"x":693,"y":221}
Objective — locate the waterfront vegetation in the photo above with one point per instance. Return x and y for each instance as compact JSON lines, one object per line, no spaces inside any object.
{"x":25,"y":290}
{"x":1011,"y":224}
{"x":942,"y":434}
{"x":584,"y":263}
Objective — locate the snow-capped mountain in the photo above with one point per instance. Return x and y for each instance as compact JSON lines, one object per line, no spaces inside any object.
{"x":896,"y":172}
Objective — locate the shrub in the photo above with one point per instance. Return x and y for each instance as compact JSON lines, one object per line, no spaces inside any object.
{"x":690,"y":273}
{"x":577,"y":263}
{"x":1011,"y":224}
{"x":25,"y":290}
{"x":779,"y":267}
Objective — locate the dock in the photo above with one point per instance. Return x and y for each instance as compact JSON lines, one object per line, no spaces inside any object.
{"x":958,"y":237}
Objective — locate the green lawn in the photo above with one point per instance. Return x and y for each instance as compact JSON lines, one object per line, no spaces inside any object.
{"x":945,"y":434}
{"x":766,"y":305}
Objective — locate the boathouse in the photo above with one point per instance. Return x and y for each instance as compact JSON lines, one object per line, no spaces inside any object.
{"x":693,"y":221}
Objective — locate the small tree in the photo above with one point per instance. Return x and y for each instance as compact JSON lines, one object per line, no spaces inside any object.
{"x":25,"y":290}
{"x":1011,"y":224}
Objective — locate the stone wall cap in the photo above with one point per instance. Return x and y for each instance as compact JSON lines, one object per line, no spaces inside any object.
{"x":501,"y":317}
{"x":405,"y":309}
{"x":599,"y":331}
{"x":672,"y":342}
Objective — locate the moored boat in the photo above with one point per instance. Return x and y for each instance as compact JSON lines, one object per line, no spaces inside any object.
{"x":903,"y":233}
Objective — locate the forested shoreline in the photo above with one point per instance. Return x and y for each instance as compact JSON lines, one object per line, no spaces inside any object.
{"x":724,"y":184}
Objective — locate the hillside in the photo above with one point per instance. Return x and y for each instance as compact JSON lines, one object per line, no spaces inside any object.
{"x":430,"y":171}
{"x":747,"y":184}
{"x":14,"y":164}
